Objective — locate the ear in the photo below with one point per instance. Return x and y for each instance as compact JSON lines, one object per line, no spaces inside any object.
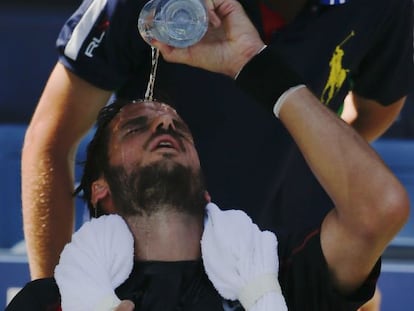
{"x":207,"y":196}
{"x":101,"y":193}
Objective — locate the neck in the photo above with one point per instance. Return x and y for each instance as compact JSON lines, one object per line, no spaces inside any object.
{"x":166,"y":236}
{"x":288,"y":9}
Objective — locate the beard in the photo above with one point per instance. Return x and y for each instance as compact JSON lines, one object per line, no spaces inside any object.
{"x":157,"y":187}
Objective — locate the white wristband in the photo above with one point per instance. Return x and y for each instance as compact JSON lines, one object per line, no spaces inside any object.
{"x":279,"y":103}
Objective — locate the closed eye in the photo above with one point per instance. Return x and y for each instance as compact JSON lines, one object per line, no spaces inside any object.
{"x":135,"y":130}
{"x":135,"y":125}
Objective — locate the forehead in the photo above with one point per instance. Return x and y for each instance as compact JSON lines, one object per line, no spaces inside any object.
{"x":145,"y":108}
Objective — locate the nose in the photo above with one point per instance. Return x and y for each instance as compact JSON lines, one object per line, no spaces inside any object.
{"x":165,"y":122}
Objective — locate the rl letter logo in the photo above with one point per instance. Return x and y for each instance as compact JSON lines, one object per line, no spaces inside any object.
{"x":93,"y":45}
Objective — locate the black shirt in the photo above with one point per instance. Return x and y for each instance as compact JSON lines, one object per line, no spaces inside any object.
{"x":155,"y":286}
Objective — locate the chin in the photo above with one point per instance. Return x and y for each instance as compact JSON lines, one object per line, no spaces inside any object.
{"x":167,"y":162}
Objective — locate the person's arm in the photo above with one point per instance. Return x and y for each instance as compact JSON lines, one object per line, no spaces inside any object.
{"x":66,"y":111}
{"x":368,"y":117}
{"x":371,"y":205}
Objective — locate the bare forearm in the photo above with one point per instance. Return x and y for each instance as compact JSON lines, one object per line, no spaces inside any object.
{"x":371,"y":205}
{"x":342,"y":161}
{"x":48,"y":213}
{"x":66,"y":111}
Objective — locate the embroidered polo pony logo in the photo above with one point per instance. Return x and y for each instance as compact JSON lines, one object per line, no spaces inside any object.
{"x":337,"y":74}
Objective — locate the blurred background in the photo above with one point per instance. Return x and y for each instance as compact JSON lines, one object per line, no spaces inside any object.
{"x":27,"y":54}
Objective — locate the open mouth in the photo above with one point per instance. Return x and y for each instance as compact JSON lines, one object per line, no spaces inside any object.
{"x":165,"y":142}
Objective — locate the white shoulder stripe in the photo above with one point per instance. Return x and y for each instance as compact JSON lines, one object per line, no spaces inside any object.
{"x":83,"y":28}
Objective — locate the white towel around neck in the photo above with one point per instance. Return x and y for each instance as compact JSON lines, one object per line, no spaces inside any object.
{"x":97,"y":260}
{"x":240,"y":260}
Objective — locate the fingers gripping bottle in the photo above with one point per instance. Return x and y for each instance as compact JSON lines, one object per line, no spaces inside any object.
{"x":179,"y":23}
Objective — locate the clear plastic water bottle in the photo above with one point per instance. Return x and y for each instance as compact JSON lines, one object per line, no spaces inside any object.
{"x":179,"y":23}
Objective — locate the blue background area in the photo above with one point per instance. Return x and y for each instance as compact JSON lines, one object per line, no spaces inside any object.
{"x":27,"y":55}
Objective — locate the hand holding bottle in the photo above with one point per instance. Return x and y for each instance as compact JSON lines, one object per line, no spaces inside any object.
{"x":230,"y":42}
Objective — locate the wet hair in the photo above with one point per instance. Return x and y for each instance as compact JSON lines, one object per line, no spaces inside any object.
{"x":97,"y":153}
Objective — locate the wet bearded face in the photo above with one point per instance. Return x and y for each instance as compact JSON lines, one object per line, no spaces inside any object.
{"x":156,"y":187}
